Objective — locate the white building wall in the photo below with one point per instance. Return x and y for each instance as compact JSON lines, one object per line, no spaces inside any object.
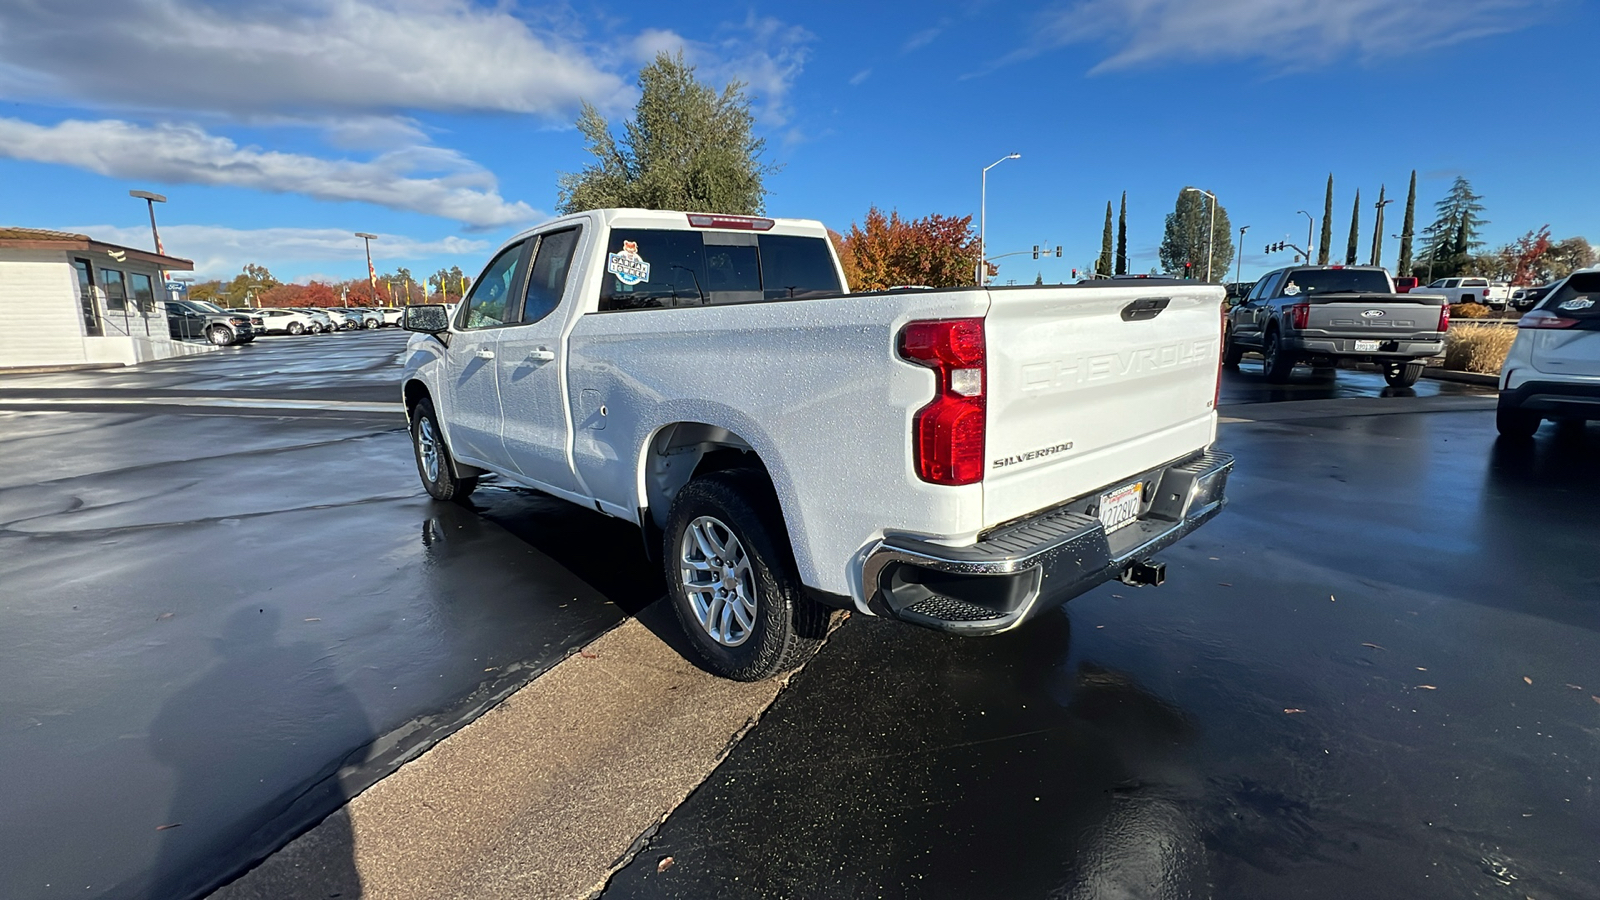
{"x":40,"y":321}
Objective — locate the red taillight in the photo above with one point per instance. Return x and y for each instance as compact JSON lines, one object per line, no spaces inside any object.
{"x":743,"y":223}
{"x":1300,"y":315}
{"x":1544,"y":318}
{"x":1444,"y":317}
{"x":947,"y":435}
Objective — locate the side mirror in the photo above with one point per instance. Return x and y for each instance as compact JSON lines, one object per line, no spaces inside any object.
{"x":430,"y":318}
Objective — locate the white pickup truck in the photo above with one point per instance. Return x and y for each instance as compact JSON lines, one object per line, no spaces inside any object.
{"x":962,"y":459}
{"x":1468,"y":290}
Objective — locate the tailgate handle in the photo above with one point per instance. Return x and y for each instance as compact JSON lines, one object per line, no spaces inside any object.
{"x":1144,"y":309}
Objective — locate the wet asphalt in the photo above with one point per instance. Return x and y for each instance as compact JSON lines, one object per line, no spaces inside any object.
{"x":221,"y":621}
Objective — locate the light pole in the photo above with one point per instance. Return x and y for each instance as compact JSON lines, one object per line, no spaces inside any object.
{"x":372,"y":277}
{"x":1377,"y":233}
{"x":1238,"y":273}
{"x":1211,"y":233}
{"x":150,"y":200}
{"x":1311,"y":225}
{"x":983,"y":219}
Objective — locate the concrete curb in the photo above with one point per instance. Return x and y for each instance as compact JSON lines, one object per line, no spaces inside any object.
{"x":1461,"y":377}
{"x":46,"y":370}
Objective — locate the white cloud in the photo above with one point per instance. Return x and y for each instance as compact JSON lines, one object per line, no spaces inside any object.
{"x":296,"y":57}
{"x":763,"y":52}
{"x":1294,"y":34}
{"x":220,"y":252}
{"x":924,"y":37}
{"x":421,"y":179}
{"x":860,"y":76}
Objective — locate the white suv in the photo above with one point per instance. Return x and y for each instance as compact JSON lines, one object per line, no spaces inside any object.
{"x":1553,"y":369}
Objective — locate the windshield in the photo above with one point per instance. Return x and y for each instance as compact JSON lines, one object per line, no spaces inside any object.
{"x":1340,"y":281}
{"x":206,"y":306}
{"x":1578,"y":297}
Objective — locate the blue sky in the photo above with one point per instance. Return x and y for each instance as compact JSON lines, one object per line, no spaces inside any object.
{"x":278,"y":127}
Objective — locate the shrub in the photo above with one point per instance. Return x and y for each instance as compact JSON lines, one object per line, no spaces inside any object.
{"x":1469,"y":311}
{"x":1478,"y":347}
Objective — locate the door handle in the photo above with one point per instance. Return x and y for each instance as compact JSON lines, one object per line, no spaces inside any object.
{"x":541,"y":354}
{"x":485,"y":354}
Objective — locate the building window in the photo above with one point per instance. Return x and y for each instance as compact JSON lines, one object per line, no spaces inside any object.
{"x":116,"y":291}
{"x":143,"y":292}
{"x":91,"y":313}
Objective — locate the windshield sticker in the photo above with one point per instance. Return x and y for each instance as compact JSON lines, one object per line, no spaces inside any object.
{"x":1291,"y":289}
{"x":1578,"y":303}
{"x":627,"y":265}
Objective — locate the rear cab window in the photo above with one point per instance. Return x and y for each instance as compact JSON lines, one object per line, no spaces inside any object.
{"x":649,"y":268}
{"x":1309,"y":282}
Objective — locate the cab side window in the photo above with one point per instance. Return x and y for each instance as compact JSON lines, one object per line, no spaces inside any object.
{"x":488,"y":304}
{"x":1268,"y":288}
{"x":548,"y":280}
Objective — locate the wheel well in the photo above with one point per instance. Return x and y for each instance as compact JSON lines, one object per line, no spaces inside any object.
{"x":415,"y":391}
{"x":684,"y":451}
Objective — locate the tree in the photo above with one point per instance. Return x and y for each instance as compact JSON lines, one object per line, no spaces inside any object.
{"x":937,"y":251}
{"x":205,"y":290}
{"x":1104,"y":265}
{"x":249,"y":284}
{"x":1453,"y":236}
{"x":1522,"y":260}
{"x":1039,"y":278}
{"x":318,"y":294}
{"x":1355,"y":232}
{"x":281,"y":295}
{"x":687,"y":147}
{"x":1122,"y":237}
{"x":1402,"y":266}
{"x":1185,"y":237}
{"x":1327,"y":226}
{"x":1567,"y":256}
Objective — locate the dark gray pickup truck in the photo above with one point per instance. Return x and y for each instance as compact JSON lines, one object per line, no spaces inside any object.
{"x":1319,"y":315}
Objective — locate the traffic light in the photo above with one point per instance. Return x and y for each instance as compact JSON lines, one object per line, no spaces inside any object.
{"x":1188,"y":270}
{"x":1035,"y":251}
{"x":1058,"y":249}
{"x":1074,"y":273}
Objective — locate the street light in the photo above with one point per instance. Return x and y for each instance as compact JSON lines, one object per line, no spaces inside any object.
{"x":1377,"y":232}
{"x":983,"y":209}
{"x":1211,"y":233}
{"x":372,"y":277}
{"x":1238,"y":273}
{"x":1311,"y":224}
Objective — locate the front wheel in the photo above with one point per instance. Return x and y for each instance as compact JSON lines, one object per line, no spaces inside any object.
{"x":1402,"y":374}
{"x":296,"y":328}
{"x":219,"y":336}
{"x":732,"y":581}
{"x":433,"y":457}
{"x":370,"y":324}
{"x":1277,"y":363}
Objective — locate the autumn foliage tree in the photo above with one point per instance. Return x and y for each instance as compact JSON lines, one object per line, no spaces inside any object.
{"x":1523,"y":258}
{"x":935,"y":251}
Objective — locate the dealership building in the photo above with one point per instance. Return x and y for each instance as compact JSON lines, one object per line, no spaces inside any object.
{"x":68,"y":300}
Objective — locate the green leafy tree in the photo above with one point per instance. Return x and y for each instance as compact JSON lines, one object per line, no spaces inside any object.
{"x":1185,"y":238}
{"x":247,"y":286}
{"x":687,"y":147}
{"x":1103,"y":265}
{"x":1355,"y":232}
{"x":1402,"y":266}
{"x":1122,"y":236}
{"x":206,"y":290}
{"x":1326,"y":245}
{"x":1452,"y":239}
{"x":1567,"y":256}
{"x":1039,"y":278}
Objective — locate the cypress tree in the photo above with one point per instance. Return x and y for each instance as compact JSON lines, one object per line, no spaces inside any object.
{"x":1122,"y":237}
{"x":1327,"y":226}
{"x":1403,"y":267}
{"x":1355,"y":232}
{"x":1102,"y":266}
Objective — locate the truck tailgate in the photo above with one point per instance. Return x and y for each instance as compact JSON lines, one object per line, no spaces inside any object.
{"x":1380,"y":316}
{"x":1088,"y":385}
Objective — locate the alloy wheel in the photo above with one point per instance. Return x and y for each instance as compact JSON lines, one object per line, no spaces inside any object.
{"x":718,"y":580}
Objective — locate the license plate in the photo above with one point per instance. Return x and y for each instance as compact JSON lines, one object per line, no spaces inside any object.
{"x":1120,"y":507}
{"x":1368,"y":345}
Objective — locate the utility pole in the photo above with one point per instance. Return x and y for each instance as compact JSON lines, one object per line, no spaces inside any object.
{"x":372,"y":276}
{"x":1311,"y":225}
{"x":1238,"y":273}
{"x":1211,"y":233}
{"x":1377,"y":228}
{"x":983,"y":208}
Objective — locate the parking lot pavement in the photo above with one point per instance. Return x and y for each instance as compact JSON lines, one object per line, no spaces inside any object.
{"x":1372,"y":676}
{"x":1247,"y":385}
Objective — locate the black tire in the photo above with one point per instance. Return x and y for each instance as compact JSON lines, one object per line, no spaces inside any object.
{"x":442,"y":483}
{"x":219,"y":335}
{"x":1402,"y":374}
{"x":1275,"y":363}
{"x":787,"y":625}
{"x":296,"y":328}
{"x":1516,"y":423}
{"x":1231,"y":351}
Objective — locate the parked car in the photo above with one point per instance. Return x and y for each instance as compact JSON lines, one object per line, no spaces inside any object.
{"x":199,"y":320}
{"x":344,"y":318}
{"x":285,"y":321}
{"x":391,"y":314}
{"x":257,"y":321}
{"x":1325,"y":314}
{"x":1526,"y":298}
{"x":1406,"y":285}
{"x":368,"y":318}
{"x":960,"y":459}
{"x":1553,"y":368}
{"x":1467,"y":290}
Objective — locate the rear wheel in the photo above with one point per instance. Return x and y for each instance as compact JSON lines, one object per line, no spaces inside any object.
{"x":296,"y":328}
{"x":1231,"y":351}
{"x":732,"y":581}
{"x":433,"y":457}
{"x":1276,"y":362}
{"x":371,"y":323}
{"x":1402,"y":374}
{"x":1516,"y":423}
